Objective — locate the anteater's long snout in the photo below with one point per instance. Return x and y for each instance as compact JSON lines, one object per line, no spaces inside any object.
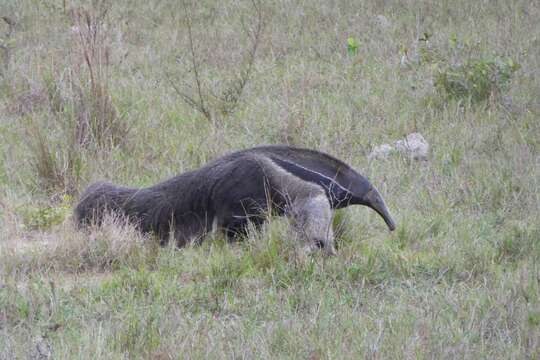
{"x":374,"y":200}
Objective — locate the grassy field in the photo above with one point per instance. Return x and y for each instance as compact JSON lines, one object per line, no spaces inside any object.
{"x":137,"y":91}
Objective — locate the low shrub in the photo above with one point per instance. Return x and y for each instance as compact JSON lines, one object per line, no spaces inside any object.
{"x":476,"y":80}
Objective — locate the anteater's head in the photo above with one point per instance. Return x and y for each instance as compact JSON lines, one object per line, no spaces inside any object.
{"x":374,"y":200}
{"x":366,"y":194}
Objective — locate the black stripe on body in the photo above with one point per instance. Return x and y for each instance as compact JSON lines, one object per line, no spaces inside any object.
{"x":337,"y":194}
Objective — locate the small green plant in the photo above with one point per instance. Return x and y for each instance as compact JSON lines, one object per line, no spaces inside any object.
{"x":352,"y":46}
{"x":476,"y":80}
{"x":35,"y":218}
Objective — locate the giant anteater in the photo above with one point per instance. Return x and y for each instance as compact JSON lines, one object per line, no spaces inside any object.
{"x":239,"y":188}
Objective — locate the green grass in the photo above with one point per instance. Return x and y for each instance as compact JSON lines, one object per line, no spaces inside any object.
{"x":459,"y":278}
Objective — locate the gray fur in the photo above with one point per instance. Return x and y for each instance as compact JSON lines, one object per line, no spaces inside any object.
{"x":238,"y":188}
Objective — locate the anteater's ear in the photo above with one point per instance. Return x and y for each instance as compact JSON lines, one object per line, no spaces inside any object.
{"x":374,"y":200}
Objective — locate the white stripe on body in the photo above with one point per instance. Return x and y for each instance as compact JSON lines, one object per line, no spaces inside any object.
{"x":315,"y":172}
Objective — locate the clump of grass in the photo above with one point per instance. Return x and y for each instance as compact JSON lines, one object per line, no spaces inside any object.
{"x":82,"y":116}
{"x":97,"y":120}
{"x":44,"y":217}
{"x":459,"y":278}
{"x":476,"y":80}
{"x":456,"y":73}
{"x":518,"y":242}
{"x":56,"y":164}
{"x":113,"y":244}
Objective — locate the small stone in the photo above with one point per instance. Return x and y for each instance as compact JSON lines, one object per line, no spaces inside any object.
{"x":381,"y":151}
{"x":382,"y":21}
{"x":414,"y":146}
{"x":42,"y":349}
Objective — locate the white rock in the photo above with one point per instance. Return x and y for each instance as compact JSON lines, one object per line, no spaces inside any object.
{"x":381,"y":151}
{"x":382,"y":21}
{"x":414,"y":146}
{"x":42,"y":349}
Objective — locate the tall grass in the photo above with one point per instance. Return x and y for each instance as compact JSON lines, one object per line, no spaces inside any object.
{"x":81,"y":118}
{"x":87,"y":95}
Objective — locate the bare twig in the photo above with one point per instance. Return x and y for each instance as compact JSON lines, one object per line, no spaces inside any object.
{"x":4,"y":45}
{"x":11,"y":25}
{"x":233,"y":94}
{"x":205,"y":100}
{"x":188,"y":99}
{"x":195,"y":66}
{"x":199,"y":104}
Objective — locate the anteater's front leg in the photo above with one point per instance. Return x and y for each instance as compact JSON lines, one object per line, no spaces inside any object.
{"x":312,"y":221}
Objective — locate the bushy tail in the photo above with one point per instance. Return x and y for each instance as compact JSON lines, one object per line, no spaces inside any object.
{"x":100,"y":198}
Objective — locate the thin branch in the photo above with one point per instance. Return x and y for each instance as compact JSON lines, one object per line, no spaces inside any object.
{"x":237,"y":89}
{"x":11,"y":25}
{"x":5,"y":45}
{"x":188,"y":99}
{"x":228,"y":99}
{"x":195,"y":66}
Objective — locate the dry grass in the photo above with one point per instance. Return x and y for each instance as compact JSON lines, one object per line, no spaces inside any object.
{"x":66,"y":249}
{"x":460,"y":278}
